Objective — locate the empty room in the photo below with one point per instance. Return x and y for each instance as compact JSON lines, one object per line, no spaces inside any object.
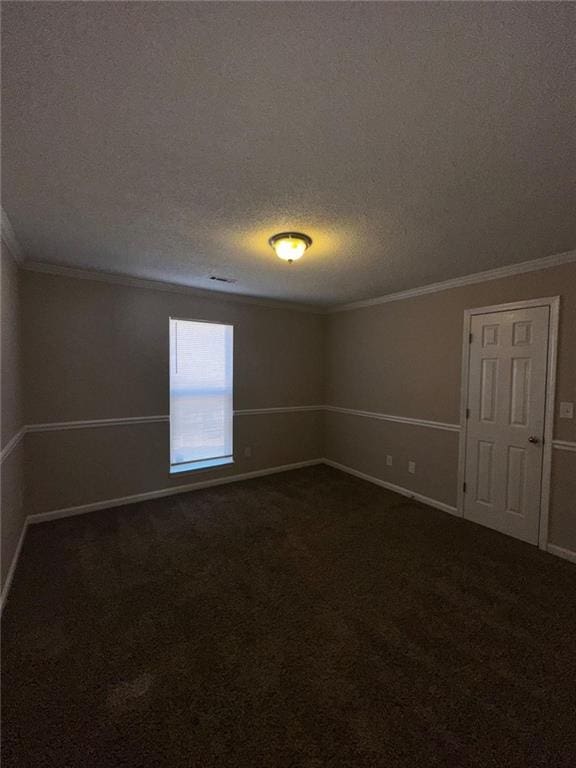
{"x":288,"y":376}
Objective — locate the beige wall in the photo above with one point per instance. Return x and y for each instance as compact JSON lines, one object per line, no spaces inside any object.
{"x":10,"y":317}
{"x":82,"y":466}
{"x":96,"y":350}
{"x":12,"y":514}
{"x":404,"y":358}
{"x":362,"y":443}
{"x":563,"y":502}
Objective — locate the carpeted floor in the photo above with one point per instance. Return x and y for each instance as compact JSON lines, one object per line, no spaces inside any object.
{"x":302,"y":620}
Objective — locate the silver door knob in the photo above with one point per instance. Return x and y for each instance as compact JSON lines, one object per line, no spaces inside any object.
{"x":533,"y":439}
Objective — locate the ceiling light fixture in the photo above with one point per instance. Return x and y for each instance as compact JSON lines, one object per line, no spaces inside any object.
{"x":290,"y":246}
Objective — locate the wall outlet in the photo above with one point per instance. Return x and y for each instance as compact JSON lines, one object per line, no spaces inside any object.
{"x":247,"y":452}
{"x":412,"y":467}
{"x":566,"y":410}
{"x":388,"y":461}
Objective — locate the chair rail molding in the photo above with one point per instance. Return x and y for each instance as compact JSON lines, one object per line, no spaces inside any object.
{"x":564,"y":445}
{"x":11,"y":444}
{"x":55,"y":426}
{"x":445,"y":426}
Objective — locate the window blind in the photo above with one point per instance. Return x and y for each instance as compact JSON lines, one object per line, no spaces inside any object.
{"x":200,"y":391}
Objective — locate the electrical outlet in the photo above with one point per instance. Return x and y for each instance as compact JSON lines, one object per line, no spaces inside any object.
{"x":412,"y":467}
{"x":247,"y":452}
{"x":566,"y":410}
{"x":388,"y":461}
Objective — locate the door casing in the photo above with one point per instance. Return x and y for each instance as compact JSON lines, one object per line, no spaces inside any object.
{"x":553,"y":302}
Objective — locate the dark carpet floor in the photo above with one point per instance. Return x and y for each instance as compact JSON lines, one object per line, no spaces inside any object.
{"x":302,"y":620}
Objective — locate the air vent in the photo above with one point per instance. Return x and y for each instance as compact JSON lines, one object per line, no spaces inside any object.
{"x":222,"y":279}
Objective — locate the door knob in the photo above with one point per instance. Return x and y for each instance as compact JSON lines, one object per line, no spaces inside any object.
{"x":533,"y":439}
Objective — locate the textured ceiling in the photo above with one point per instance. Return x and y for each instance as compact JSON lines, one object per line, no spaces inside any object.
{"x":415,"y":142}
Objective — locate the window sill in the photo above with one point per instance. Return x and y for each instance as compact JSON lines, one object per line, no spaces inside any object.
{"x":194,"y":466}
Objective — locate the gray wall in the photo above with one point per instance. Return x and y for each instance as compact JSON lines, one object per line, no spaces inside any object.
{"x":404,"y":358}
{"x":12,"y":513}
{"x":96,"y":350}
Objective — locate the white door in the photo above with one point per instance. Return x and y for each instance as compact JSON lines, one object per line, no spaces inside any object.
{"x":505,"y":420}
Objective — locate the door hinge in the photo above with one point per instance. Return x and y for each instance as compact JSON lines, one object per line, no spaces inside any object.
{"x":469,"y":338}
{"x":464,"y":487}
{"x":467,"y":413}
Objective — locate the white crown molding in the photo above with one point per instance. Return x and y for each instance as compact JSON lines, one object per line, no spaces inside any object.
{"x":10,"y":239}
{"x":534,"y":265}
{"x":564,"y":445}
{"x":11,"y":444}
{"x":398,"y":419}
{"x":159,"y":285}
{"x":61,"y":270}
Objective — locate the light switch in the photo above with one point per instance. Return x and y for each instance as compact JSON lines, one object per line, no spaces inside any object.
{"x":566,"y":410}
{"x":388,"y":460}
{"x":412,"y":467}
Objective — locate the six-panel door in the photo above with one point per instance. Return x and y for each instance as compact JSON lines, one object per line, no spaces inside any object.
{"x":505,"y":425}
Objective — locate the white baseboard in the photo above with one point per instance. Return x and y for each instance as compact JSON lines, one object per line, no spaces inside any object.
{"x":553,"y":549}
{"x":13,"y":564}
{"x":566,"y":554}
{"x":396,"y":488}
{"x":42,"y":517}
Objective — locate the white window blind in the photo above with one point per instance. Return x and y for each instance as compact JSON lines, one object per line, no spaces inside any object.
{"x":200,"y":393}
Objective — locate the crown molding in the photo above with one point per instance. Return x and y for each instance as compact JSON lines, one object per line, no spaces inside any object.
{"x":60,"y":270}
{"x":534,"y":265}
{"x":10,"y":239}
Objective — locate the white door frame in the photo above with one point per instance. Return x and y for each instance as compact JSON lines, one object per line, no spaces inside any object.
{"x":553,"y":302}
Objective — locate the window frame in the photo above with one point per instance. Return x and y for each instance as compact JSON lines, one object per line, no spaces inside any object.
{"x":202,"y":465}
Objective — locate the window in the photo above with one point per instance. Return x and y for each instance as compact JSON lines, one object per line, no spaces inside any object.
{"x":200,"y":394}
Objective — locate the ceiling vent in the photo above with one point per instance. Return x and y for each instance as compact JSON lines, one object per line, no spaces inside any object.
{"x":222,"y":279}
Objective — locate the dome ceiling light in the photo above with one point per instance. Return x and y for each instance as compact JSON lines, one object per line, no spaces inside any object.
{"x":290,"y":246}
